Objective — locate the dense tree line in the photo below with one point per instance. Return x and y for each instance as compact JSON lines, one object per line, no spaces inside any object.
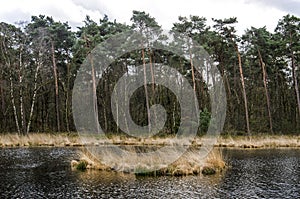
{"x":260,"y":70}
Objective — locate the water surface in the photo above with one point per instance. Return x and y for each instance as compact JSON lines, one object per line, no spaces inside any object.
{"x":46,"y":173}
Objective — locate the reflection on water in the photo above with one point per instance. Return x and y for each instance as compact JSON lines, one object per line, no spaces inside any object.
{"x":107,"y":184}
{"x":46,"y":173}
{"x":263,"y":174}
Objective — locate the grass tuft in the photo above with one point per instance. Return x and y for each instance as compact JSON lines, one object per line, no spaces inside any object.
{"x":82,"y":165}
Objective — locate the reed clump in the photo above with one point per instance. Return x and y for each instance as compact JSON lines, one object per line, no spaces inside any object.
{"x":88,"y":161}
{"x":214,"y":163}
{"x":188,"y":164}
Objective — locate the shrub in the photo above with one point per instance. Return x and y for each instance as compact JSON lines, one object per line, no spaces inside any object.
{"x":208,"y":170}
{"x":205,"y":117}
{"x":81,"y":165}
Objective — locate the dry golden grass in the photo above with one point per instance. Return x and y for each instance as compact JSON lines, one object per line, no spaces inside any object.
{"x":38,"y":139}
{"x":65,"y":139}
{"x":216,"y":160}
{"x":90,"y":162}
{"x":190,"y":163}
{"x":267,"y":141}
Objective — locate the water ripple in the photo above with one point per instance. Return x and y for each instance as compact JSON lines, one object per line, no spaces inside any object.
{"x":46,"y":173}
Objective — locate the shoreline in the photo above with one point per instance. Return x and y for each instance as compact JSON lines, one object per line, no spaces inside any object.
{"x":73,"y":140}
{"x":188,"y":164}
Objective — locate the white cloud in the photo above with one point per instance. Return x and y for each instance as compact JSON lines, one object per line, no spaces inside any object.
{"x":249,"y":12}
{"x":62,"y":10}
{"x":167,"y":12}
{"x":291,"y":6}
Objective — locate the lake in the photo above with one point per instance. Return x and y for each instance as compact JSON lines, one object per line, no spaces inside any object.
{"x":46,"y":173}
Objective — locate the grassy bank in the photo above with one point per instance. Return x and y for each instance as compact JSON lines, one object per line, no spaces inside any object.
{"x":72,"y":139}
{"x":188,"y":164}
{"x":39,"y":139}
{"x":259,"y":141}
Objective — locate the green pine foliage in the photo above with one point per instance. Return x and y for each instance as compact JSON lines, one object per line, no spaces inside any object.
{"x":28,"y":52}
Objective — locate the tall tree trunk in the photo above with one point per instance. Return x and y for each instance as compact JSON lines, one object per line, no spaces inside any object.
{"x":125,"y":94}
{"x":56,"y":86}
{"x":243,"y":88}
{"x":264,"y":74}
{"x":295,"y":83}
{"x":23,"y":122}
{"x":2,"y":97}
{"x":67,"y":98}
{"x":150,"y":62}
{"x":13,"y":104}
{"x":95,"y":94}
{"x":12,"y":97}
{"x":94,"y":88}
{"x":117,"y":112}
{"x":294,"y":76}
{"x":146,"y":90}
{"x":22,"y":111}
{"x":193,"y":75}
{"x":33,"y":98}
{"x":229,"y":93}
{"x":152,"y":72}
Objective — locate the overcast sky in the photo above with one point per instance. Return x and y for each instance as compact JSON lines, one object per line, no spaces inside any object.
{"x":255,"y":13}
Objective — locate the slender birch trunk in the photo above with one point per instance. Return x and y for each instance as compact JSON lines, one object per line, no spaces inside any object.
{"x":22,"y":111}
{"x":13,"y":104}
{"x":11,"y":90}
{"x":33,"y":98}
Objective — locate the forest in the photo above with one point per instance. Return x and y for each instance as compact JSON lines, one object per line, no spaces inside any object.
{"x":39,"y":61}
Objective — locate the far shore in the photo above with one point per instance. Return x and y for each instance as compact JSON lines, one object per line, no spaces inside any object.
{"x":73,"y":140}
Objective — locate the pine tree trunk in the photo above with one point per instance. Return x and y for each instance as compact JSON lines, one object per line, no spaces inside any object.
{"x":229,"y":94}
{"x":146,"y":90}
{"x":193,"y":76}
{"x":243,"y":88}
{"x":67,"y":98}
{"x":153,"y":82}
{"x":94,"y":87}
{"x":56,"y":86}
{"x":294,"y":76}
{"x":105,"y":115}
{"x":152,"y":72}
{"x":295,"y":84}
{"x":264,"y":73}
{"x":95,"y":94}
{"x":2,"y":97}
{"x":117,"y":113}
{"x":125,"y":94}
